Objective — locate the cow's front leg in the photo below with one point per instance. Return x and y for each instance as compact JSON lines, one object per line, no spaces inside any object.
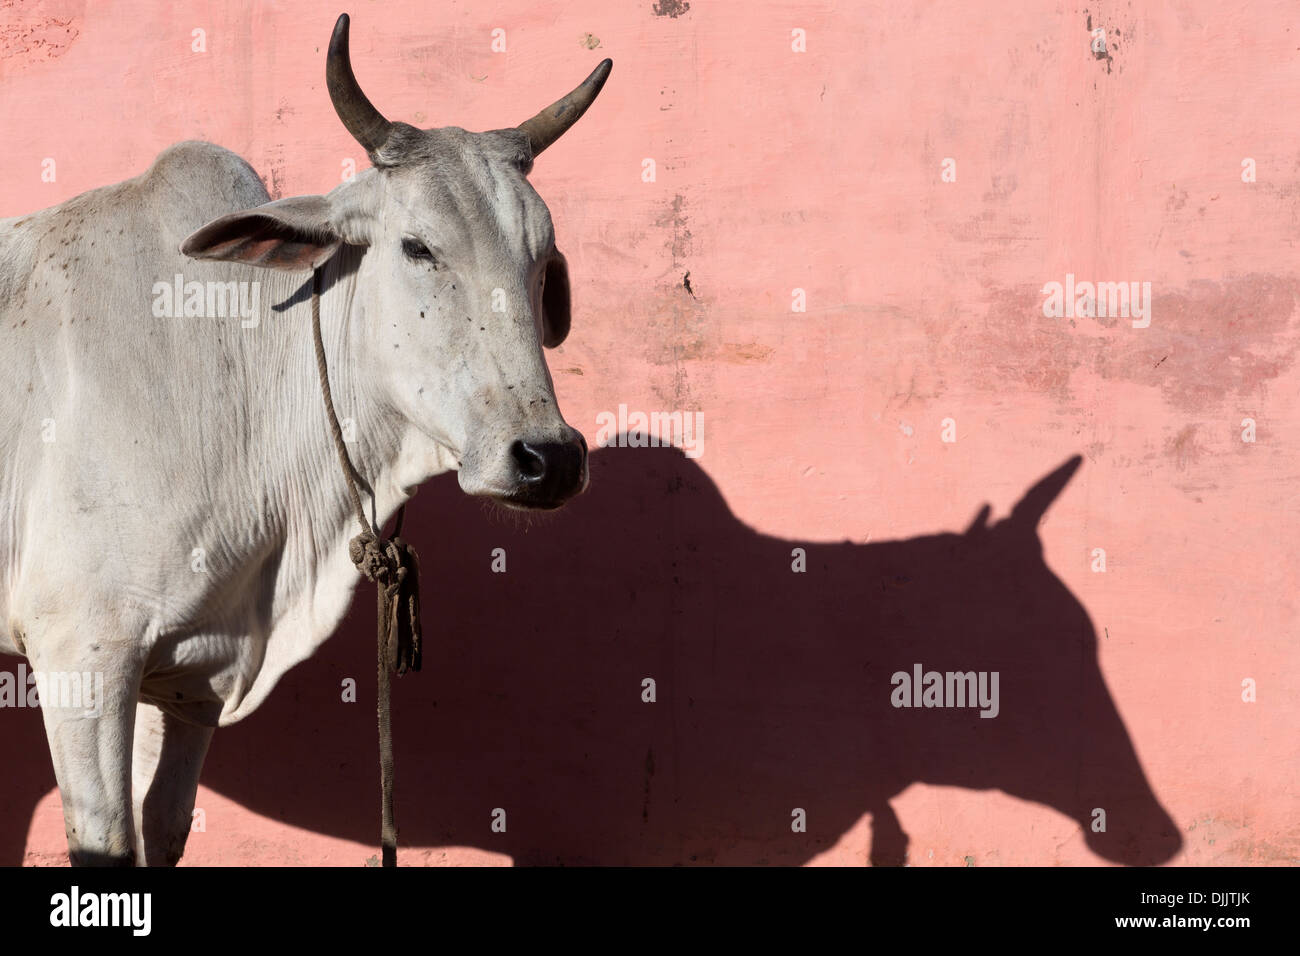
{"x":88,"y":700}
{"x":167,"y":759}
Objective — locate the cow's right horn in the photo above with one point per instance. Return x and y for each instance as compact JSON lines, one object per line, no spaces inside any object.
{"x":366,"y":124}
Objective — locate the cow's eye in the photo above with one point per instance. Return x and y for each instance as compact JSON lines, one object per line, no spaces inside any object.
{"x":415,"y":249}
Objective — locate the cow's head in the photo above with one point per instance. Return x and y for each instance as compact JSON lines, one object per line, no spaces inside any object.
{"x":459,"y":287}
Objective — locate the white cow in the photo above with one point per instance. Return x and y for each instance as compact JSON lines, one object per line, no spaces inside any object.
{"x":174,"y":522}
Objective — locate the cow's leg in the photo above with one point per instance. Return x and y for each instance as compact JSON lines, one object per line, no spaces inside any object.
{"x":166,"y":762}
{"x":88,"y":705}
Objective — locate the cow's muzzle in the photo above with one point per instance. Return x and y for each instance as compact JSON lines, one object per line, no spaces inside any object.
{"x":548,"y":473}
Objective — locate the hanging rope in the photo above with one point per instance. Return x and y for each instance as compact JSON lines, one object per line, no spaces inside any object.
{"x":394,"y":568}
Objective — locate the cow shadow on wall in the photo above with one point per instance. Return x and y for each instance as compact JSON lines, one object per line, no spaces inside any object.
{"x":773,"y":688}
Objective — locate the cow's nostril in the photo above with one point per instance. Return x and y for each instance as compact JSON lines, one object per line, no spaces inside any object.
{"x":530,"y":461}
{"x":548,"y":473}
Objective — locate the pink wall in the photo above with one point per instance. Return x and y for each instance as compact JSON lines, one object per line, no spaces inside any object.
{"x":779,"y":170}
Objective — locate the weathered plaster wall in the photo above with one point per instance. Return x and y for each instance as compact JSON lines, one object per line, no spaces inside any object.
{"x":778,"y":170}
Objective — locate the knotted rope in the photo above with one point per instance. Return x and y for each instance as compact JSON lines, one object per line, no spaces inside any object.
{"x":394,"y":567}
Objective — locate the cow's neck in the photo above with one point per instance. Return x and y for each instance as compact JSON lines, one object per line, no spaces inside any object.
{"x":296,"y":430}
{"x":307,"y":515}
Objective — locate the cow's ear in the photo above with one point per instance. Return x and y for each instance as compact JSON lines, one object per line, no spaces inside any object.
{"x":555,"y":302}
{"x":290,"y":234}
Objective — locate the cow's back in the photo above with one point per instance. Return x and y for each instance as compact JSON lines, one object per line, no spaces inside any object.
{"x":101,"y":401}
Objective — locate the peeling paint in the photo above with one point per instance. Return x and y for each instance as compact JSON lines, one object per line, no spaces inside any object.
{"x":670,"y":8}
{"x":29,"y":37}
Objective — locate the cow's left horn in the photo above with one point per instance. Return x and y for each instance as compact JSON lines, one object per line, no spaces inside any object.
{"x":551,"y":123}
{"x":366,"y":124}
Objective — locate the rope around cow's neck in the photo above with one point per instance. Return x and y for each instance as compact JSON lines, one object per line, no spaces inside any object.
{"x":395,"y":569}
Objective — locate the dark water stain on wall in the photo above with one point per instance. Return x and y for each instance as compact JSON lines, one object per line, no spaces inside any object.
{"x":670,"y":8}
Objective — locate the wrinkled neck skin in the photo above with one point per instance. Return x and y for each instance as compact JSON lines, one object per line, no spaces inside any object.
{"x":302,"y":516}
{"x":389,"y":456}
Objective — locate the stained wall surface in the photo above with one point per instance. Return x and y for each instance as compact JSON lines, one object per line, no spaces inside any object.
{"x":828,"y":229}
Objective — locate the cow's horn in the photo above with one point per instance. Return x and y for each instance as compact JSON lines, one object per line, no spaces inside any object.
{"x":1031,"y":508}
{"x":551,"y":123}
{"x":366,"y":124}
